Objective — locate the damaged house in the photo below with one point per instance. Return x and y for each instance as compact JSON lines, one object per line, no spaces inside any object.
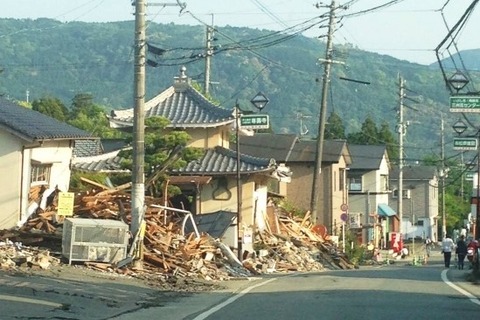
{"x":35,"y":160}
{"x":299,"y":156}
{"x":210,"y":183}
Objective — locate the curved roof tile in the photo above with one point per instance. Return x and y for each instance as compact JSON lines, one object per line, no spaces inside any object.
{"x":34,"y":126}
{"x":182,"y":104}
{"x":220,"y":160}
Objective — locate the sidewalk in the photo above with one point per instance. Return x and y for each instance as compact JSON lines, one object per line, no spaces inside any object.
{"x":462,"y":278}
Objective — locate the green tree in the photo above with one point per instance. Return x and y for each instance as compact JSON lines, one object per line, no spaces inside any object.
{"x":370,"y":132}
{"x":386,"y":137}
{"x":164,"y":149}
{"x":334,"y":128}
{"x":86,"y":115}
{"x":367,"y":135}
{"x":52,"y":107}
{"x":82,"y":103}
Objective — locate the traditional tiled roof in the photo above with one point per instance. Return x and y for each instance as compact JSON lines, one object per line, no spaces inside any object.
{"x":182,"y":104}
{"x":366,"y":157}
{"x":31,"y":125}
{"x":108,"y":162}
{"x":99,"y":156}
{"x":222,"y":161}
{"x":87,"y":148}
{"x":289,"y":148}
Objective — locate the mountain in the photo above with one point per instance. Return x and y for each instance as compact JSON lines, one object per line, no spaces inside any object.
{"x":48,"y":57}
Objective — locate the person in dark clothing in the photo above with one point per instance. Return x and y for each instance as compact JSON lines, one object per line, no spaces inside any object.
{"x":461,"y":251}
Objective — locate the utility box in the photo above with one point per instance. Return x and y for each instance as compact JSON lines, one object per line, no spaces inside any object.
{"x":96,"y":240}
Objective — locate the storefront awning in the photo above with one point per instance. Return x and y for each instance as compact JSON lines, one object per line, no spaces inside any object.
{"x":385,"y":211}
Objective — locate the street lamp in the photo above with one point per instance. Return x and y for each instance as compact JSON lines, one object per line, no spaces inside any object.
{"x":259,"y":101}
{"x":459,"y":127}
{"x":457,"y":81}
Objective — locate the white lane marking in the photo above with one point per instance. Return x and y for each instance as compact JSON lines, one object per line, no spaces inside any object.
{"x":464,"y":292}
{"x":204,"y":315}
{"x":28,"y":300}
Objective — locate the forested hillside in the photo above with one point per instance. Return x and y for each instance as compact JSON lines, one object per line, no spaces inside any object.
{"x":49,"y":58}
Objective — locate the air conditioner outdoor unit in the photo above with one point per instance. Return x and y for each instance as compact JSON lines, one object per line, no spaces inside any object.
{"x":96,"y":240}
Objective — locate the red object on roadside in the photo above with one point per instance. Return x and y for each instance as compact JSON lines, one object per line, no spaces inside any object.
{"x":396,"y":242}
{"x":320,"y":229}
{"x":472,"y":249}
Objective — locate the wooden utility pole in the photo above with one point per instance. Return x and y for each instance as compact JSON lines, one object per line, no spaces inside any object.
{"x":322,"y":120}
{"x":442,"y":147}
{"x":138,"y":175}
{"x":402,"y":129}
{"x":208,"y":57}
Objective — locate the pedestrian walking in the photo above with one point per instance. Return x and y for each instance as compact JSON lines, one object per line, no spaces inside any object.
{"x":461,"y":251}
{"x":447,"y":248}
{"x":428,"y":249}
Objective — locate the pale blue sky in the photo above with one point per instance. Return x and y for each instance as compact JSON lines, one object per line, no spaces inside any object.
{"x":410,"y":29}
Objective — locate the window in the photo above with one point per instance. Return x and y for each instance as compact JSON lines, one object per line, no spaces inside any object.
{"x":341,"y":179}
{"x":384,"y":182}
{"x":419,"y":223}
{"x":355,"y":183}
{"x":40,"y":173}
{"x":406,"y":194}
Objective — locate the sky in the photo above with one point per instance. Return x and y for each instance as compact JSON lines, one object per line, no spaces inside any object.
{"x":408,"y":29}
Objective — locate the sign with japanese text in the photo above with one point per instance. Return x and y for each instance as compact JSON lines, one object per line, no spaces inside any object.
{"x":465,"y":104}
{"x":465,"y":144}
{"x":254,"y":121}
{"x":65,"y":203}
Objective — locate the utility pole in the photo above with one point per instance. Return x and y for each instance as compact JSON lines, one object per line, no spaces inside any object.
{"x":138,"y":175}
{"x":442,"y":148}
{"x":208,"y":57}
{"x":401,"y":132}
{"x":323,"y":112}
{"x":239,"y":185}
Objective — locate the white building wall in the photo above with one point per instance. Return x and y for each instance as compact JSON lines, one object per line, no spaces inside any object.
{"x":15,"y":167}
{"x":10,"y":177}
{"x":59,"y":154}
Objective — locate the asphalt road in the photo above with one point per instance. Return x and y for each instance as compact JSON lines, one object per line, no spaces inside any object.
{"x":398,"y":291}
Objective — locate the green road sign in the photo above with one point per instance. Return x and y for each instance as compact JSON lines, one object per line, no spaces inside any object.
{"x":254,"y":121}
{"x":469,"y":176}
{"x":464,"y":104}
{"x":464,"y":143}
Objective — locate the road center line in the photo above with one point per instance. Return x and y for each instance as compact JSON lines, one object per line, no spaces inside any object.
{"x":462,"y":291}
{"x":29,"y":300}
{"x":205,"y":314}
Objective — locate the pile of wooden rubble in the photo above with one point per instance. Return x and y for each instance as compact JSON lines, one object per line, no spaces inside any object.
{"x":288,"y":243}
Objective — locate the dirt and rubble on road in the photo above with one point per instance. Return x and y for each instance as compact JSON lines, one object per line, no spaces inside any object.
{"x":171,"y":260}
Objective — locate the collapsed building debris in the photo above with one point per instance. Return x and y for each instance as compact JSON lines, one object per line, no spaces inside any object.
{"x":287,"y":244}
